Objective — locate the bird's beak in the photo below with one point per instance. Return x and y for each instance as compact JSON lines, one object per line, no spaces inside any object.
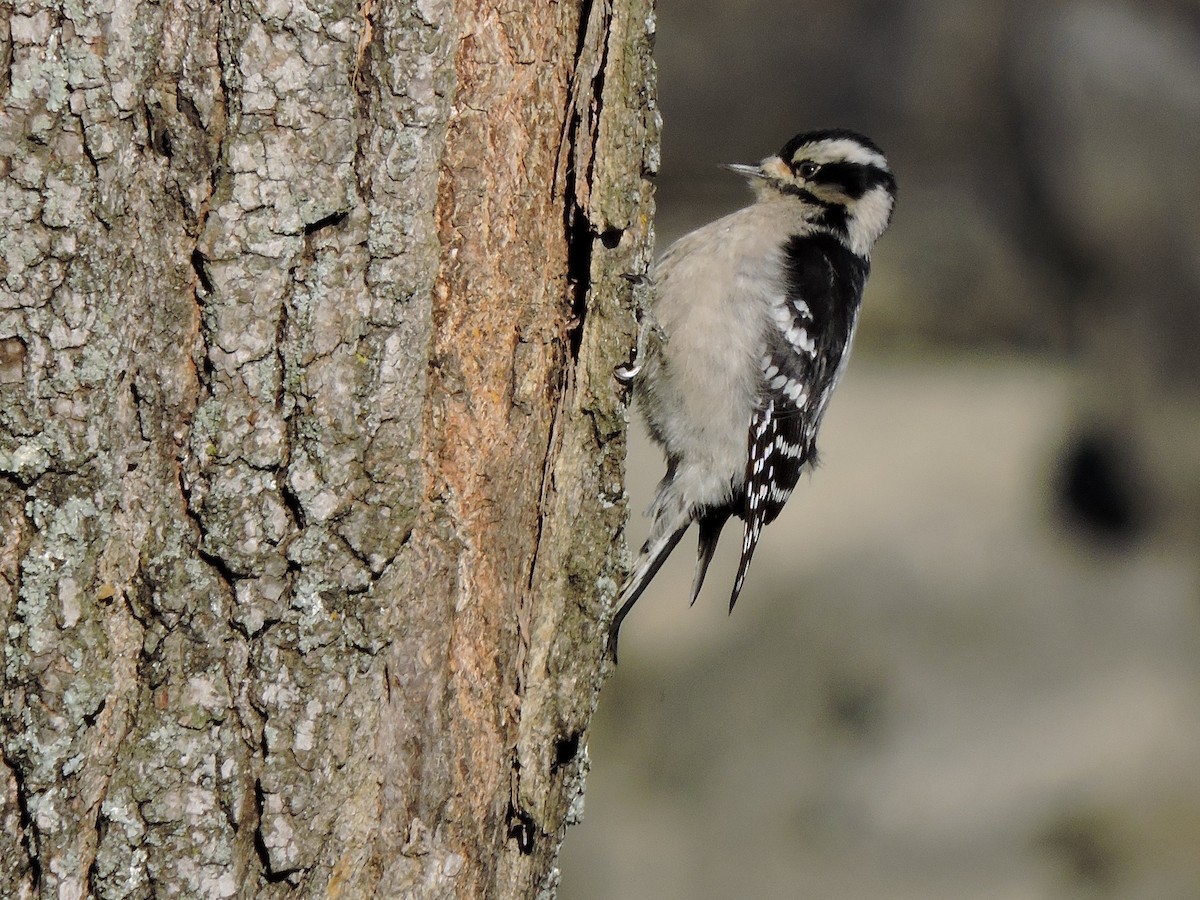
{"x":746,"y":171}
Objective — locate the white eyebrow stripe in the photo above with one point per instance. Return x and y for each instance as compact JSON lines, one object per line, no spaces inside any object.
{"x":848,"y":150}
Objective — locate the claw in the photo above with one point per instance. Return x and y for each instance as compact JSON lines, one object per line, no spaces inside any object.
{"x":626,"y":373}
{"x":629,"y":371}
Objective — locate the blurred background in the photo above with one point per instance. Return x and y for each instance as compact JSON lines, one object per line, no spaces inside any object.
{"x":966,"y":663}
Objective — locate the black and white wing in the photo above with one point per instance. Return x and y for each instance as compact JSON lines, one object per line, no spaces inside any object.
{"x":805,"y":352}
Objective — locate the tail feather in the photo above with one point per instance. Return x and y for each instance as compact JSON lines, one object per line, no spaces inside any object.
{"x":750,"y":537}
{"x":756,"y":501}
{"x":654,"y":553}
{"x":710,"y":533}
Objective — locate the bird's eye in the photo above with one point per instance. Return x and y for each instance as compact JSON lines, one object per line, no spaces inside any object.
{"x":807,"y":169}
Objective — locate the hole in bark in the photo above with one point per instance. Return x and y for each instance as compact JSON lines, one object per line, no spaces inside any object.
{"x":579,"y":274}
{"x":330,"y":221}
{"x":185,"y":105}
{"x":291,"y":501}
{"x":200,"y":266}
{"x":89,"y":719}
{"x":521,"y":829}
{"x":566,"y":749}
{"x":25,"y":820}
{"x":93,"y":874}
{"x":260,"y":843}
{"x":585,"y":14}
{"x":611,"y":238}
{"x":157,"y":133}
{"x":162,"y":143}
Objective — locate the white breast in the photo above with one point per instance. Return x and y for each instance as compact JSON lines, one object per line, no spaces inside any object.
{"x":715,"y":289}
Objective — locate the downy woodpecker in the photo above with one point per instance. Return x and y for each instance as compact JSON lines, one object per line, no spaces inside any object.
{"x":748,"y":334}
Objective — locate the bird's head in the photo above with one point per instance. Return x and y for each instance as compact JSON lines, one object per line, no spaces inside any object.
{"x":841,"y":173}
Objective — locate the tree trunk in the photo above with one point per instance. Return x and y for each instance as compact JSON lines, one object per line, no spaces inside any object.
{"x":310,"y":454}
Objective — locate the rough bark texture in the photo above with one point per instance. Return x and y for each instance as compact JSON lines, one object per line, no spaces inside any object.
{"x":310,"y":454}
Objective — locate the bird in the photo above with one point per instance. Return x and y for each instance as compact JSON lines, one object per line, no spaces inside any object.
{"x":746,"y":337}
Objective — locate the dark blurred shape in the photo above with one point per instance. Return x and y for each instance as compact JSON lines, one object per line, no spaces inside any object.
{"x":855,"y":705}
{"x":1095,"y":488}
{"x":566,"y":749}
{"x":1081,"y":843}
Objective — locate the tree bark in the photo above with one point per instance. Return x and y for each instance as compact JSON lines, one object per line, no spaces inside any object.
{"x":311,"y":460}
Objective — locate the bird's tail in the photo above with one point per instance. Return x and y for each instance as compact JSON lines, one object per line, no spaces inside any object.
{"x":669,"y":527}
{"x":710,"y":531}
{"x":749,"y":541}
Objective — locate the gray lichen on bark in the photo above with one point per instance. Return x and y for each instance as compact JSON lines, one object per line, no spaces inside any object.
{"x":310,"y":458}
